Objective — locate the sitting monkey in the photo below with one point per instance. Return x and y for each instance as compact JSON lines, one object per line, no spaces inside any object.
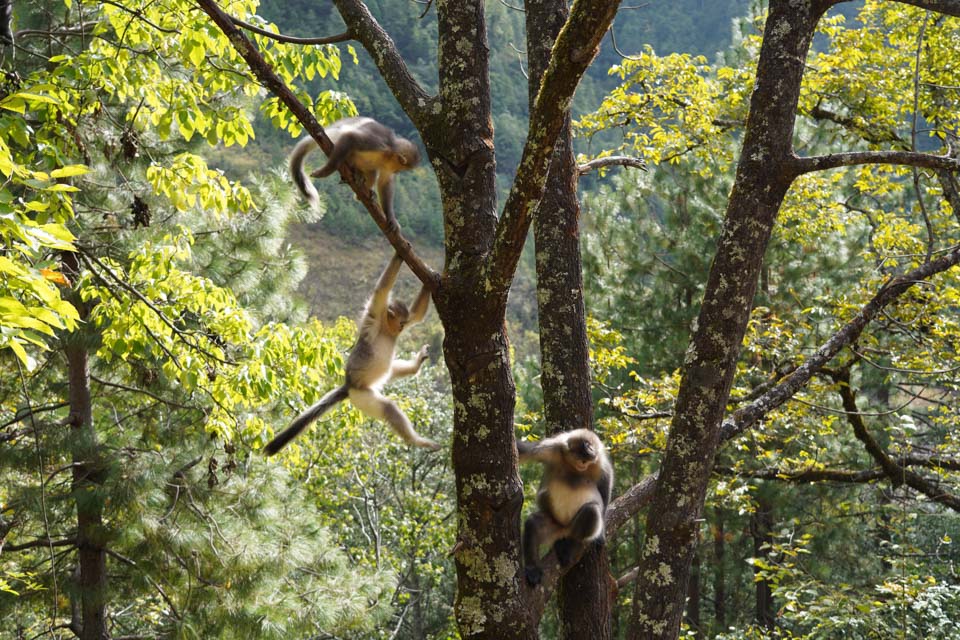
{"x":573,"y":497}
{"x":371,"y":365}
{"x":367,"y":146}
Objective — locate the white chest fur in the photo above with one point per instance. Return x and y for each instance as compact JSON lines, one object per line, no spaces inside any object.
{"x":565,"y":500}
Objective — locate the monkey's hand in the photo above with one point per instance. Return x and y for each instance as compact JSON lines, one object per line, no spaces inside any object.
{"x":423,"y":354}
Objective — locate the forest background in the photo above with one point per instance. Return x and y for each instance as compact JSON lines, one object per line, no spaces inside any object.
{"x":195,"y":288}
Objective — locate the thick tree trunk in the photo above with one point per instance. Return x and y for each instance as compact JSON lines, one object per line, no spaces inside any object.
{"x":489,"y":601}
{"x":764,"y":174}
{"x":87,"y":469}
{"x":584,"y":592}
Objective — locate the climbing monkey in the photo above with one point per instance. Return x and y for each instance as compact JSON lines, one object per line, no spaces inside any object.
{"x":371,"y":364}
{"x":368,"y":147}
{"x":573,"y":497}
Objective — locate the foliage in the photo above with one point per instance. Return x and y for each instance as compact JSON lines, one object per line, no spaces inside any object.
{"x":183,"y":279}
{"x":841,"y":236}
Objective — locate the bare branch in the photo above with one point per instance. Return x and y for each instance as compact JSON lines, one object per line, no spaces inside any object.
{"x":818,"y":112}
{"x":265,"y":74}
{"x":803,"y":476}
{"x":40,"y":542}
{"x":744,"y":418}
{"x":628,"y":503}
{"x":416,"y":102}
{"x":896,"y":473}
{"x":628,"y":577}
{"x":279,"y":37}
{"x":117,"y":385}
{"x":574,"y":50}
{"x":854,"y":158}
{"x":946,"y":7}
{"x":638,"y":496}
{"x":32,"y":411}
{"x":611,"y":161}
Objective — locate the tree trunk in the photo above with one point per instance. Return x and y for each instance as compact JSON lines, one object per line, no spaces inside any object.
{"x":693,"y":595}
{"x":720,"y":575}
{"x":764,"y":174}
{"x":584,"y":592}
{"x":489,"y":601}
{"x":87,"y":476}
{"x":761,"y":526}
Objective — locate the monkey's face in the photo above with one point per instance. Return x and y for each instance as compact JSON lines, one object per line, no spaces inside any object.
{"x":397,"y":317}
{"x":581,"y":454}
{"x":408,"y":156}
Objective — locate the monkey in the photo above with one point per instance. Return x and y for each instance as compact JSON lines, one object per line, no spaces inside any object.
{"x":6,"y":15}
{"x":572,"y":499}
{"x":371,"y":364}
{"x":367,"y":146}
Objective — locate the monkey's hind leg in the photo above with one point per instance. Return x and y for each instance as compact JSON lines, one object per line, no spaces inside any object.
{"x":586,"y":525}
{"x":375,"y":405}
{"x":538,"y":530}
{"x":341,"y":149}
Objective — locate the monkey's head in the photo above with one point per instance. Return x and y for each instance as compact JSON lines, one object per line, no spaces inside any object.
{"x":407,"y":155}
{"x":397,"y":316}
{"x":582,"y":450}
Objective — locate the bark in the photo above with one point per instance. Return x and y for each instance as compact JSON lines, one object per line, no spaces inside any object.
{"x":693,"y":594}
{"x":720,"y":575}
{"x":761,"y":527}
{"x":91,"y":574}
{"x":584,"y":592}
{"x":763,"y":176}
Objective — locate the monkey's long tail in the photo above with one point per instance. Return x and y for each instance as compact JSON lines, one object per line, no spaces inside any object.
{"x":300,"y":177}
{"x":306,"y":418}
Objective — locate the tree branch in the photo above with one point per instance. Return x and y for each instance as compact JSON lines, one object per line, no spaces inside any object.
{"x":265,"y":74}
{"x":638,"y":496}
{"x":609,"y":161}
{"x":416,"y":102}
{"x":628,"y":503}
{"x":851,"y":124}
{"x":279,"y":37}
{"x":747,"y":416}
{"x":896,"y":473}
{"x":946,"y":7}
{"x":843,"y":476}
{"x":854,"y":158}
{"x":575,"y":48}
{"x":41,"y":542}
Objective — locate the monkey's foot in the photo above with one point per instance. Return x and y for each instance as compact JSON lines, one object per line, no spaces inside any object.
{"x":565,"y":549}
{"x":429,"y":444}
{"x":534,"y":575}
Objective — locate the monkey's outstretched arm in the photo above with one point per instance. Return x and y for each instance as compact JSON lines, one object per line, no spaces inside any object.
{"x":381,"y":294}
{"x":403,"y":368}
{"x":547,"y":451}
{"x":420,"y":307}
